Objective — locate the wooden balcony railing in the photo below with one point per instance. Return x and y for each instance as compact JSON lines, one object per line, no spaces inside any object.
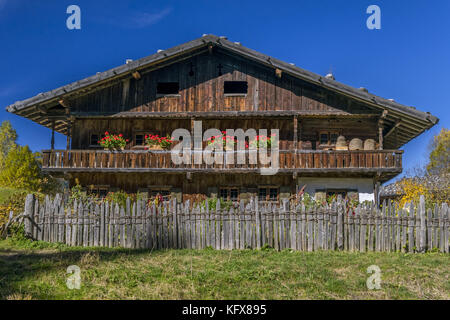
{"x":300,"y":160}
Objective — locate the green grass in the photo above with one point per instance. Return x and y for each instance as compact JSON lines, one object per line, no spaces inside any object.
{"x":37,"y":270}
{"x":6,"y":192}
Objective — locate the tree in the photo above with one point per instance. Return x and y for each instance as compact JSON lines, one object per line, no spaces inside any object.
{"x":21,"y":169}
{"x":440,"y":153}
{"x":8,"y":137}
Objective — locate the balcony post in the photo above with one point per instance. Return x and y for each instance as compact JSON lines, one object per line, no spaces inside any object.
{"x":380,"y":135}
{"x":380,"y":129}
{"x":295,"y":134}
{"x":52,"y":142}
{"x":69,"y":127}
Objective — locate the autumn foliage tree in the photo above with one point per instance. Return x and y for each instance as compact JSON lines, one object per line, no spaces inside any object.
{"x":19,"y":167}
{"x":8,"y":137}
{"x":440,"y":153}
{"x":434,"y":181}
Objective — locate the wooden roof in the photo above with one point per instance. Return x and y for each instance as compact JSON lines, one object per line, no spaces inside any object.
{"x":413,"y":122}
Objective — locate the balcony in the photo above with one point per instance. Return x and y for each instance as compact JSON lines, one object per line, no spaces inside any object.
{"x":301,"y":161}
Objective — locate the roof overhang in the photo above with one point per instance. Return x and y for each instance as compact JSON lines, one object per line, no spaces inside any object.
{"x":405,"y":121}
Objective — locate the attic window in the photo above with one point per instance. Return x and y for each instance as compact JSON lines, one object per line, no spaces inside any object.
{"x":235,"y":87}
{"x":167,"y":88}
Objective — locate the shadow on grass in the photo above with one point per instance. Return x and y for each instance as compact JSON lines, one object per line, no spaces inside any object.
{"x":19,"y":266}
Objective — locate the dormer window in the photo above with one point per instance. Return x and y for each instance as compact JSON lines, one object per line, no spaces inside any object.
{"x":167,"y":88}
{"x":235,"y":87}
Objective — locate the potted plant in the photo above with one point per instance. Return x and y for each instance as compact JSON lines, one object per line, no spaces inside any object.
{"x":225,"y":140}
{"x":155,"y":142}
{"x":113,"y":141}
{"x":262,"y":141}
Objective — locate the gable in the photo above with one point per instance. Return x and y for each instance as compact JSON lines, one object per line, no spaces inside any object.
{"x":201,"y":82}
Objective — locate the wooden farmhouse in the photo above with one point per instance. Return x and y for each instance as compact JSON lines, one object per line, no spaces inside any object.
{"x":333,"y":138}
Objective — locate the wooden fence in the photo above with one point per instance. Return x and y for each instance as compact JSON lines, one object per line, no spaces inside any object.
{"x":253,"y":225}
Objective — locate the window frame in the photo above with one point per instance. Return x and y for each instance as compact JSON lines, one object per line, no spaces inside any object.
{"x":328,"y":133}
{"x":228,"y":190}
{"x":336,"y":191}
{"x":100,"y":136}
{"x":159,"y":189}
{"x":235,"y":94}
{"x":159,"y":95}
{"x":97,"y":189}
{"x":268,"y":189}
{"x":139,"y":132}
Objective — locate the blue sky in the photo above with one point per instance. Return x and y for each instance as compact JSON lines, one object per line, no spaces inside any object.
{"x":407,"y":60}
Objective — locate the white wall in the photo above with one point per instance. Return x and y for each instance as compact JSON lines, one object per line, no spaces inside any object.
{"x":364,"y":186}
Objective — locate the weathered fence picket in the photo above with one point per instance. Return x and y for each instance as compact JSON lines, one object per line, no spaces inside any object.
{"x":336,"y":226}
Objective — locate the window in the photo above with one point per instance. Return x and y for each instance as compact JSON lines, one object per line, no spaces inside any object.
{"x":273,"y":194}
{"x":262,"y":194}
{"x":167,"y":88}
{"x":139,"y":139}
{"x":229,"y":194}
{"x":328,"y":137}
{"x":323,"y":138}
{"x":336,"y":192}
{"x":235,"y":87}
{"x":165,"y":193}
{"x":342,"y":193}
{"x":268,"y":194}
{"x":99,"y":191}
{"x":95,"y":139}
{"x":333,"y":138}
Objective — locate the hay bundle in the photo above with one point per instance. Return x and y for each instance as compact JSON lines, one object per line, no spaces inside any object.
{"x":341,"y":143}
{"x":355,"y":144}
{"x":369,"y":144}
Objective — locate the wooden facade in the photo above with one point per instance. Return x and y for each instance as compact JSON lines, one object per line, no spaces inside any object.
{"x":226,"y":87}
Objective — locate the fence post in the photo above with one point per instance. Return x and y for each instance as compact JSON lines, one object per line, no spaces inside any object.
{"x":258,"y":225}
{"x":446,"y":225}
{"x":29,"y":215}
{"x":340,"y":225}
{"x":423,"y":229}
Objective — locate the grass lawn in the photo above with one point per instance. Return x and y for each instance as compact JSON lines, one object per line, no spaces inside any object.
{"x":38,"y":271}
{"x":5,"y":193}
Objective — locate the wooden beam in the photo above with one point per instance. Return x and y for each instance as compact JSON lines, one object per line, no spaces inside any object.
{"x":380,"y":135}
{"x":278,"y":72}
{"x":52,"y":142}
{"x":69,"y":127}
{"x":64,"y":103}
{"x":392,"y":129}
{"x":383,"y":117}
{"x":295,"y":133}
{"x":381,"y":128}
{"x":136,"y":75}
